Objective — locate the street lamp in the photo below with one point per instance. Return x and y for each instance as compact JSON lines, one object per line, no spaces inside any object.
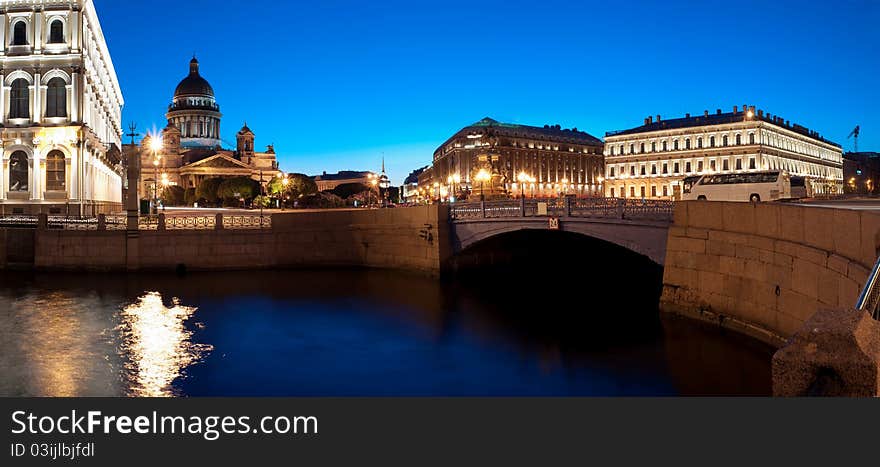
{"x":156,"y":146}
{"x":601,"y":181}
{"x":523,"y":178}
{"x":482,"y":177}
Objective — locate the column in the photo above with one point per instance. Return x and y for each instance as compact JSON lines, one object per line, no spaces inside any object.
{"x":73,"y":98}
{"x":37,"y":113}
{"x":2,"y":96}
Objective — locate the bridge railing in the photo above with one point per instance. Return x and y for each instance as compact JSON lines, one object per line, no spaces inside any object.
{"x":156,"y":222}
{"x":602,"y":208}
{"x":869,"y":299}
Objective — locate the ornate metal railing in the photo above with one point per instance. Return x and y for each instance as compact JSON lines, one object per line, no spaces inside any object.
{"x":247,"y":222}
{"x":602,"y":208}
{"x":190,"y":222}
{"x":869,"y":299}
{"x":120,"y":222}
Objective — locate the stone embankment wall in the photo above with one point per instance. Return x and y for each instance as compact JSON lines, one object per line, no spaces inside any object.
{"x":764,"y":269}
{"x":406,"y":238}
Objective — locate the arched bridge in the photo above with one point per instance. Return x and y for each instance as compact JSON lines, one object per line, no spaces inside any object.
{"x":638,"y":225}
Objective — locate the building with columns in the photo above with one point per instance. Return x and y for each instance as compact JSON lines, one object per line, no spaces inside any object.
{"x":60,"y":110}
{"x":652,"y":160}
{"x":556,"y":161}
{"x":192,"y":148}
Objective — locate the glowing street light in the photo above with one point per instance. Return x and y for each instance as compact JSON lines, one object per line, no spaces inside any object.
{"x":482,"y":177}
{"x":156,"y":146}
{"x":523,"y":178}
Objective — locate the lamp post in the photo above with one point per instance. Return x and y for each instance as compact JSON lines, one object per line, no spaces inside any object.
{"x":601,"y":185}
{"x":156,"y":146}
{"x":284,"y":183}
{"x":523,"y":178}
{"x":482,"y":177}
{"x":453,"y":180}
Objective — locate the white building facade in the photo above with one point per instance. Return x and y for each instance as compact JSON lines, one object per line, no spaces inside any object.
{"x":60,"y":110}
{"x":651,"y":161}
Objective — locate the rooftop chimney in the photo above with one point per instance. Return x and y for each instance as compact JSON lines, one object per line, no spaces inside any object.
{"x":761,"y":113}
{"x":718,"y":111}
{"x":735,"y":108}
{"x":706,"y":113}
{"x":787,"y":123}
{"x":658,"y":118}
{"x":752,"y":110}
{"x":687,"y":115}
{"x":650,"y":119}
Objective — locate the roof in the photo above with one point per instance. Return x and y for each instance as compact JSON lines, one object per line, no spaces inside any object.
{"x":718,"y":119}
{"x":547,"y":132}
{"x":342,"y":175}
{"x":413,"y":177}
{"x":194,"y":84}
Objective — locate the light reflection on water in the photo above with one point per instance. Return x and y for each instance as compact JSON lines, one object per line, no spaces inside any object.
{"x":156,"y":345}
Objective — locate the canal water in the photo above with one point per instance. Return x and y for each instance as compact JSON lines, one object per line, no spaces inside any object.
{"x":356,"y":333}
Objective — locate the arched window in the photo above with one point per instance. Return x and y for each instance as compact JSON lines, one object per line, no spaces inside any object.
{"x":18,"y":171}
{"x":711,"y":141}
{"x":19,"y":33}
{"x":724,"y":140}
{"x":664,"y":146}
{"x":56,"y":98}
{"x":19,"y":99}
{"x":56,"y":32}
{"x":675,"y":145}
{"x":55,"y":172}
{"x":700,"y":142}
{"x":687,"y":143}
{"x":738,"y":139}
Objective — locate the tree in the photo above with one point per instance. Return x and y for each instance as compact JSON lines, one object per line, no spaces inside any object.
{"x":323,"y":200}
{"x":189,"y":196}
{"x":347,"y":190}
{"x":173,"y":195}
{"x":238,"y":188}
{"x":207,"y":190}
{"x":301,"y":185}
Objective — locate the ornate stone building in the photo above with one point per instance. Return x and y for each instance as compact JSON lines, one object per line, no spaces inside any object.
{"x":650,"y":161}
{"x":192,"y":148}
{"x":556,"y":161}
{"x":60,"y":110}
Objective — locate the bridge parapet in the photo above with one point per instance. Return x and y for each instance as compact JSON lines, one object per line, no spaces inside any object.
{"x":602,"y":208}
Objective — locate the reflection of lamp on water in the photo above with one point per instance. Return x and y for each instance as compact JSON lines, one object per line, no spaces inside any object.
{"x":157,"y":345}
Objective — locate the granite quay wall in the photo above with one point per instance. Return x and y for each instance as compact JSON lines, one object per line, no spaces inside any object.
{"x":764,"y":269}
{"x":407,"y":238}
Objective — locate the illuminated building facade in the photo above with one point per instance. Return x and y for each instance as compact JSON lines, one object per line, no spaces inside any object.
{"x":192,"y":149}
{"x":651,"y":161}
{"x":60,"y":110}
{"x":552,"y":160}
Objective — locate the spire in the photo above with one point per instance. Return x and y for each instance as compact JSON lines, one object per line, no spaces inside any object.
{"x":194,"y":66}
{"x":383,"y":162}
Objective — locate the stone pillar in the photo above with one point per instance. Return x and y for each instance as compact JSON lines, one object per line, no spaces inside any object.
{"x":218,"y":222}
{"x":836,"y":353}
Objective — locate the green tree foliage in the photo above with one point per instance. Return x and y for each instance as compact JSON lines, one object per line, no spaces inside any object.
{"x":173,"y":195}
{"x":189,"y":196}
{"x":238,"y":188}
{"x":323,"y":200}
{"x":347,"y":190}
{"x":207,"y":190}
{"x":301,"y":185}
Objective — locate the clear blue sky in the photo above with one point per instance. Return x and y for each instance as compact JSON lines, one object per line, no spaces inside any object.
{"x":335,"y":84}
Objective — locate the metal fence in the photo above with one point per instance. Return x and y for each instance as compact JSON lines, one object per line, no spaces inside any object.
{"x":601,"y":208}
{"x":869,"y":299}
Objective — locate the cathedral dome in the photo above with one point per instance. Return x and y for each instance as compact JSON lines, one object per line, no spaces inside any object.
{"x":194,"y":85}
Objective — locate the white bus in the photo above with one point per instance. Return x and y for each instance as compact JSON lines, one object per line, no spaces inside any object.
{"x":747,"y":187}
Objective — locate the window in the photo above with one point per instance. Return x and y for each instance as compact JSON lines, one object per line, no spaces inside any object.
{"x":621,"y":149}
{"x":751,"y":138}
{"x":632,"y":148}
{"x":675,"y":145}
{"x":642,"y":170}
{"x":642,"y":147}
{"x":700,"y":142}
{"x":687,"y":167}
{"x":612,"y":192}
{"x":739,"y":164}
{"x":687,"y":143}
{"x":19,"y":33}
{"x":724,"y":140}
{"x":632,"y":171}
{"x":632,"y":192}
{"x":664,"y":146}
{"x":653,"y":146}
{"x":642,"y":191}
{"x":712,"y":165}
{"x":56,"y":98}
{"x":653,"y":170}
{"x":665,"y":168}
{"x":19,"y":99}
{"x":675,"y":167}
{"x":611,"y":173}
{"x":612,"y":150}
{"x":711,"y":141}
{"x":18,"y":171}
{"x":752,"y":165}
{"x":55,"y":175}
{"x":725,"y":165}
{"x":665,"y":190}
{"x":653,"y":191}
{"x":739,"y":139}
{"x":699,"y":166}
{"x":56,"y":32}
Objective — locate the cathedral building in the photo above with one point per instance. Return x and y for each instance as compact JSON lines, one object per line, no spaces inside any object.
{"x":60,"y":111}
{"x":192,"y":148}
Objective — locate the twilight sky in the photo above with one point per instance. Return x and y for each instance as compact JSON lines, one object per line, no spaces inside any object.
{"x":335,"y":84}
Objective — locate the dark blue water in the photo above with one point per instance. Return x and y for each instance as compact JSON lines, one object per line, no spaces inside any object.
{"x":351,"y":333}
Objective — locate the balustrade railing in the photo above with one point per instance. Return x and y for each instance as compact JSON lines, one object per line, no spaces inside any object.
{"x":604,"y":208}
{"x":154,"y":222}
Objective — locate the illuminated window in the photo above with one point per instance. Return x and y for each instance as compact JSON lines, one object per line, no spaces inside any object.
{"x":19,"y":33}
{"x":642,"y":191}
{"x":18,"y":171}
{"x":56,"y":98}
{"x":19,"y":99}
{"x":55,"y":172}
{"x":56,"y":32}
